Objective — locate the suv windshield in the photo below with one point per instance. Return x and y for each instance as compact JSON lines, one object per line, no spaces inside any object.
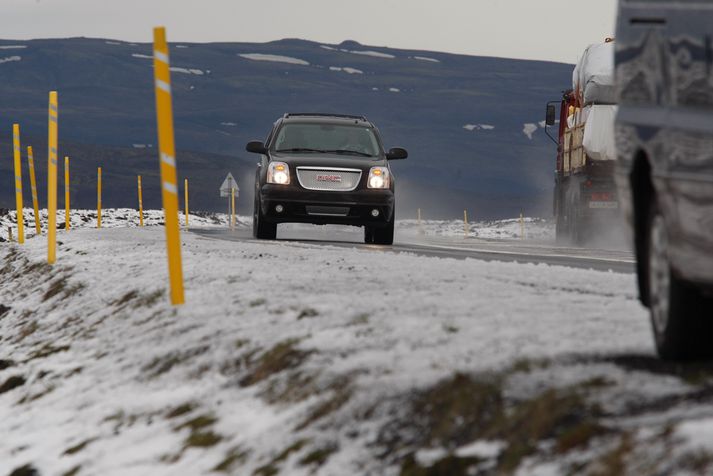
{"x":350,"y":140}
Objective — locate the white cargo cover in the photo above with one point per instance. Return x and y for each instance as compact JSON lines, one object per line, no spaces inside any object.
{"x":593,"y":77}
{"x":599,"y":133}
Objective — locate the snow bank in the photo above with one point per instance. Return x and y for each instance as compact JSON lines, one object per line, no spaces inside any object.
{"x":139,"y":55}
{"x":13,"y":47}
{"x":114,"y":43}
{"x":535,"y":228}
{"x":274,"y":58}
{"x":425,"y":58}
{"x":478,"y":127}
{"x":10,"y":59}
{"x":529,"y":129}
{"x":194,"y":71}
{"x":394,"y":90}
{"x":346,"y":70}
{"x":374,"y":54}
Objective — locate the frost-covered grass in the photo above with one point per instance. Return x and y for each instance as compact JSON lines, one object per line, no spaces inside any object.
{"x":297,"y":359}
{"x":537,"y":229}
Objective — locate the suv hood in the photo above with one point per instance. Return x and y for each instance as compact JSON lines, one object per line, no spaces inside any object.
{"x":329,"y":160}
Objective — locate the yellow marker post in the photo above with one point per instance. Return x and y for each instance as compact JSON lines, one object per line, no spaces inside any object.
{"x":33,"y":187}
{"x":18,"y":183}
{"x":232,"y":208}
{"x":167,"y":148}
{"x":99,"y":197}
{"x":465,"y":222}
{"x":522,"y":227}
{"x":52,"y":180}
{"x":141,"y":204}
{"x":185,"y":198}
{"x":67,"y":224}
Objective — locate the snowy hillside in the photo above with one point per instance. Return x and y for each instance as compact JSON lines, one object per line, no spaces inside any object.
{"x":298,"y":359}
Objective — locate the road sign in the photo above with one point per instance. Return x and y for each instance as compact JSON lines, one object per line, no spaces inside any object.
{"x":229,"y":184}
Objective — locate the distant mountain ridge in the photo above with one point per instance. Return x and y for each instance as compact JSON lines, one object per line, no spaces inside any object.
{"x":470,"y":123}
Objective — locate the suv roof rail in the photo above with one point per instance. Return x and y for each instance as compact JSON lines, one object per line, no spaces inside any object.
{"x":322,"y":114}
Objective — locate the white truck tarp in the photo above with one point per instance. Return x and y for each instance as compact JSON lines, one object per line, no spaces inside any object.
{"x":593,"y":76}
{"x":599,"y":133}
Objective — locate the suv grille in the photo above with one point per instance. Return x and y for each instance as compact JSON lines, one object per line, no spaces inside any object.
{"x":329,"y":179}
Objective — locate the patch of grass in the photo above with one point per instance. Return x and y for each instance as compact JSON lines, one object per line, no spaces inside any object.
{"x":528,"y":365}
{"x":283,"y":356}
{"x":6,"y":363}
{"x":448,"y":466}
{"x":78,"y":447}
{"x":341,"y":393}
{"x":235,"y":457}
{"x":26,"y":470}
{"x":272,"y":467}
{"x":359,"y":320}
{"x":4,"y":310}
{"x":240,"y":343}
{"x":148,"y":300}
{"x":202,"y":439}
{"x":613,"y":463}
{"x":319,"y":456}
{"x":72,"y":472}
{"x":161,"y":365}
{"x":47,"y":350}
{"x":579,"y":435}
{"x":125,"y":298}
{"x":697,"y":461}
{"x":181,"y":410}
{"x":55,"y":288}
{"x":450,"y":329}
{"x":198,"y":423}
{"x":257,"y":302}
{"x":27,"y":331}
{"x":12,"y":383}
{"x":307,"y":313}
{"x":298,"y":386}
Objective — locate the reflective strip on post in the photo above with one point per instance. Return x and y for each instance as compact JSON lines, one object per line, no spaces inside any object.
{"x":141,"y":204}
{"x":99,"y":197}
{"x":18,"y":183}
{"x":169,"y":192}
{"x":465,"y":222}
{"x":52,"y":180}
{"x":232,"y":208}
{"x":33,"y":186}
{"x":67,"y":224}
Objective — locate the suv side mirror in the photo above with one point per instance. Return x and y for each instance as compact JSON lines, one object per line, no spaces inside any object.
{"x":256,"y":147}
{"x":397,"y":153}
{"x":551,"y":114}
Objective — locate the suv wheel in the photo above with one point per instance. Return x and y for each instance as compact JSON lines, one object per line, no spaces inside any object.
{"x":681,"y":317}
{"x":262,"y":229}
{"x":383,"y":235}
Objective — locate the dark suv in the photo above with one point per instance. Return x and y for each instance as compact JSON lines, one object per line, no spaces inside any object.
{"x":664,"y":129}
{"x":325,"y":169}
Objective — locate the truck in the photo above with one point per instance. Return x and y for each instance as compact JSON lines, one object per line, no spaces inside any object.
{"x":585,"y":196}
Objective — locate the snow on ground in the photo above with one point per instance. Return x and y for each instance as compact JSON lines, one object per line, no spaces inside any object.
{"x":425,"y":58}
{"x":274,"y":58}
{"x":197,"y":72}
{"x":478,"y":127}
{"x":139,"y":55}
{"x":114,"y":43}
{"x":296,"y":359}
{"x":394,"y":90}
{"x":229,"y":124}
{"x":529,"y":129}
{"x":182,"y":46}
{"x":374,"y":54}
{"x":346,"y":70}
{"x":13,"y":47}
{"x":10,"y":59}
{"x":537,"y":229}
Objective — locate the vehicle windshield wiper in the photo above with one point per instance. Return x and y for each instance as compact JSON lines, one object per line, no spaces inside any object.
{"x":301,"y":149}
{"x":352,"y":152}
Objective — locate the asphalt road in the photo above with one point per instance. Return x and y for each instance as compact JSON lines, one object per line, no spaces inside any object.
{"x":458,"y":248}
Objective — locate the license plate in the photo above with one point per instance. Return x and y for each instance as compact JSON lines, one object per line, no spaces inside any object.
{"x":605,"y":205}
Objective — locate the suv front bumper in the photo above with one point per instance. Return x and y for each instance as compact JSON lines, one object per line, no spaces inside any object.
{"x":321,"y":208}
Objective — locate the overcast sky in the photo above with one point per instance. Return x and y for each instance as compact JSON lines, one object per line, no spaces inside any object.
{"x":535,"y":29}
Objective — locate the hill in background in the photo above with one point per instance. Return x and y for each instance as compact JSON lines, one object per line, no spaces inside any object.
{"x":470,"y":123}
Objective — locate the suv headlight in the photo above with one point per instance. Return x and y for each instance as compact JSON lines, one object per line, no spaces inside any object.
{"x":379,"y":178}
{"x":278,"y":173}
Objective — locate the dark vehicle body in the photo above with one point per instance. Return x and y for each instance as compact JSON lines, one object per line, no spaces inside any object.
{"x":585,"y":195}
{"x":325,"y":186}
{"x":664,"y":135}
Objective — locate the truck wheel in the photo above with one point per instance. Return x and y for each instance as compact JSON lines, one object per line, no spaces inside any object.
{"x":681,"y":317}
{"x":263,"y":230}
{"x":368,"y":235}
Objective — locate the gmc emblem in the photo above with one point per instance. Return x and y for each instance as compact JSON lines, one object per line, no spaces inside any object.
{"x":329,"y":178}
